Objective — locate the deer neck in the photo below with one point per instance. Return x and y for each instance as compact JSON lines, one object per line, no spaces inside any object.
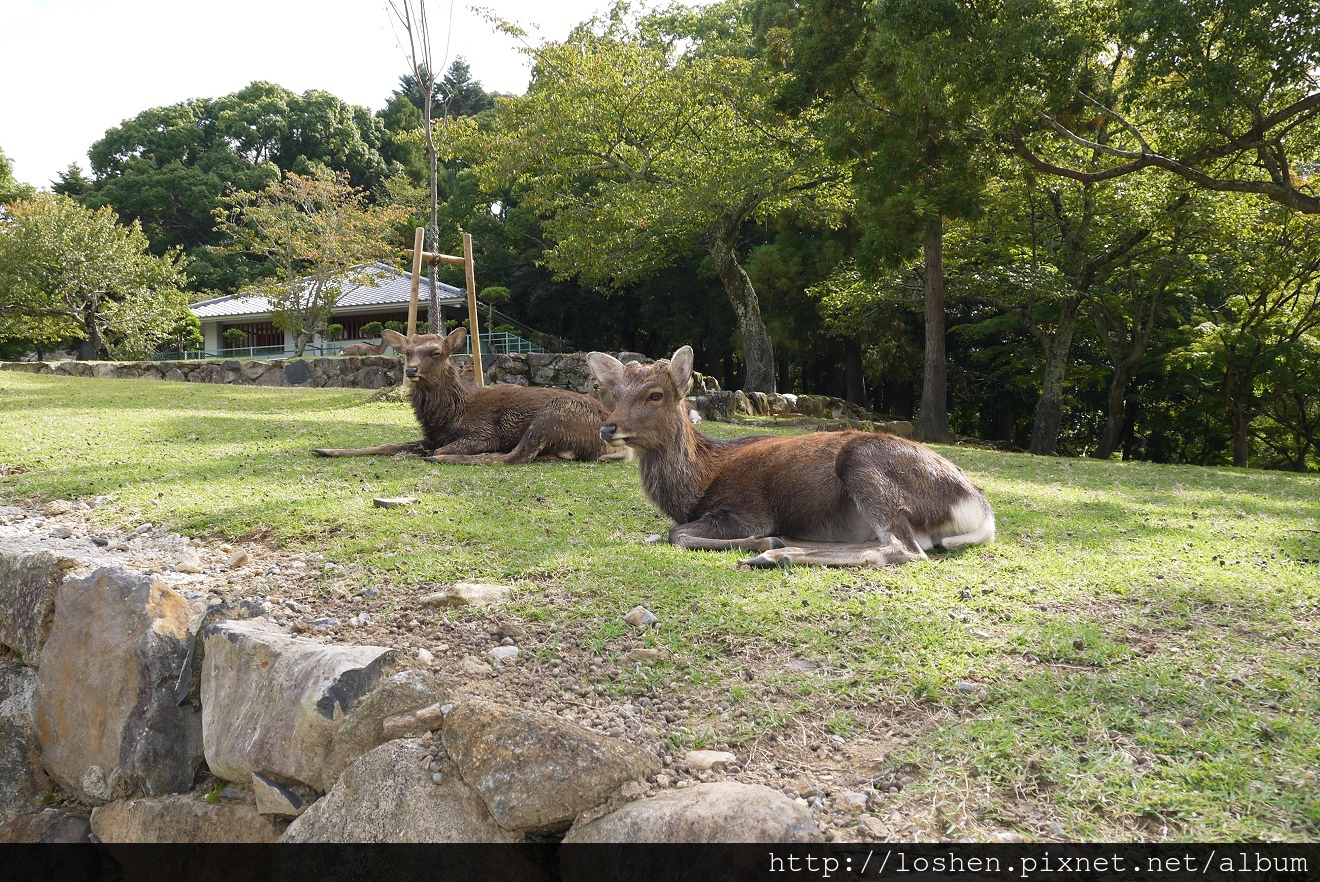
{"x":676,"y":475}
{"x":438,"y":404}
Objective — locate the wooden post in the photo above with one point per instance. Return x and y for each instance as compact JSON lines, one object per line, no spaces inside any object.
{"x":416,"y":279}
{"x":474,"y":330}
{"x":418,"y":255}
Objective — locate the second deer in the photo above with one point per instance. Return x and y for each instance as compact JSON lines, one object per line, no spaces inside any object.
{"x":365,"y":348}
{"x":831,"y":498}
{"x":490,"y":425}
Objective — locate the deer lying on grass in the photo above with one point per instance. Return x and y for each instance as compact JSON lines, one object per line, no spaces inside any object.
{"x":830,"y":498}
{"x":365,"y":348}
{"x":490,"y":425}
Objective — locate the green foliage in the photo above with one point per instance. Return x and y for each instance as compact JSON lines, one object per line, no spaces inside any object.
{"x":235,"y":337}
{"x":334,"y":331}
{"x":172,"y":167}
{"x":319,"y":236}
{"x":372,"y":329}
{"x":10,"y":189}
{"x":66,"y":271}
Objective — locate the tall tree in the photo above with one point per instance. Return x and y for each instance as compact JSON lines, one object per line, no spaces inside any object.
{"x":11,"y":189}
{"x":461,"y":95}
{"x":67,"y":271}
{"x":639,"y":147}
{"x":1222,"y":93}
{"x":412,"y":17}
{"x":319,"y":236}
{"x":169,"y":167}
{"x":1259,"y":314}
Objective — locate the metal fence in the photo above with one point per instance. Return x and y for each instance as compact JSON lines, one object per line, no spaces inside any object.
{"x":498,"y":343}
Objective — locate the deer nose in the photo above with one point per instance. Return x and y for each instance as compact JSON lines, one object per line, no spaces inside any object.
{"x":411,"y":372}
{"x":607,"y":431}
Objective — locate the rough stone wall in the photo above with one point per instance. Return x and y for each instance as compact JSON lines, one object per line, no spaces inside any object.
{"x":562,"y":370}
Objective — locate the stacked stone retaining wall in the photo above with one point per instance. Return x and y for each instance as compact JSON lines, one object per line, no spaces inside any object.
{"x":562,"y":370}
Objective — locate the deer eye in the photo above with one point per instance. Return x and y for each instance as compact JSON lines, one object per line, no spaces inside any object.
{"x":655,"y":396}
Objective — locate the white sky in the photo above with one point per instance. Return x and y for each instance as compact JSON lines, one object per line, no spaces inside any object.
{"x":71,"y":69}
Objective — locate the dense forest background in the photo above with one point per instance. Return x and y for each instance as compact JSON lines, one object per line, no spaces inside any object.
{"x":1084,"y":228}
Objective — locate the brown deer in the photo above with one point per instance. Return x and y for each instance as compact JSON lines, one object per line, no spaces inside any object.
{"x":365,"y":348}
{"x":831,"y":498}
{"x":490,"y":425}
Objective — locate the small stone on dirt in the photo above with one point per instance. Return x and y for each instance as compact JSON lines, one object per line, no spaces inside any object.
{"x":474,"y":666}
{"x":504,"y":654}
{"x":704,"y":760}
{"x":641,"y":617}
{"x":61,"y":532}
{"x":238,"y":559}
{"x":469,"y":594}
{"x":851,"y":801}
{"x":189,"y":562}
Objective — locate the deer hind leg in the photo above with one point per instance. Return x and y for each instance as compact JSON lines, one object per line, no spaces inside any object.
{"x":379,"y":450}
{"x":832,"y":554}
{"x":722,"y":534}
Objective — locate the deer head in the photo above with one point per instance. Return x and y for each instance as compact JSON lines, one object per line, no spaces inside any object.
{"x":425,"y":356}
{"x":650,"y":405}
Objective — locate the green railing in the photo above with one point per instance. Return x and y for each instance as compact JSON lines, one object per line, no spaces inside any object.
{"x":498,"y":343}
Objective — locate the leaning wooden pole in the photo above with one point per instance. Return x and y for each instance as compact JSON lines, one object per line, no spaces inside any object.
{"x":416,"y":279}
{"x":477,"y":373}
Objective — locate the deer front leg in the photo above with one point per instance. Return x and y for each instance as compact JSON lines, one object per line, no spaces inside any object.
{"x":714,"y":533}
{"x":379,"y":450}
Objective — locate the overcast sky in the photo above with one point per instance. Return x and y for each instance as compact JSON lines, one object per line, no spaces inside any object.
{"x":71,"y":69}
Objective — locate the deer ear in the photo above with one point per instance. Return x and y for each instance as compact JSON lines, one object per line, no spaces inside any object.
{"x":608,"y":370}
{"x":394,"y":339}
{"x":680,"y":367}
{"x":454,"y":341}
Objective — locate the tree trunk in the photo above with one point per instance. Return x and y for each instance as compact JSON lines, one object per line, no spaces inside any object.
{"x":93,"y":329}
{"x":1049,"y":410}
{"x":933,"y":422}
{"x":854,"y":379}
{"x":758,"y":350}
{"x":433,"y":228}
{"x":1241,"y":439}
{"x":1115,"y":412}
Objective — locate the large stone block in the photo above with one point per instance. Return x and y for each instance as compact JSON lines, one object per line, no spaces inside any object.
{"x":723,"y":812}
{"x":106,"y":716}
{"x":22,"y":783}
{"x":390,"y":795}
{"x":28,"y":583}
{"x":272,"y":703}
{"x":48,"y":825}
{"x":182,"y":818}
{"x":364,"y":727}
{"x":538,"y":773}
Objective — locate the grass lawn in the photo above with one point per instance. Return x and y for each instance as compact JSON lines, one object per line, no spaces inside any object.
{"x":1136,"y":657}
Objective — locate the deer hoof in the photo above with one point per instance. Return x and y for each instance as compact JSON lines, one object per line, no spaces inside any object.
{"x":776,"y":542}
{"x":320,"y":452}
{"x":763,"y":562}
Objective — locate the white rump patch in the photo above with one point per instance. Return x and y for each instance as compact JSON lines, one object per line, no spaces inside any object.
{"x":969,"y":524}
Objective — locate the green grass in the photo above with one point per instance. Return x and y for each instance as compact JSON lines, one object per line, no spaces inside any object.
{"x":1144,"y":639}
